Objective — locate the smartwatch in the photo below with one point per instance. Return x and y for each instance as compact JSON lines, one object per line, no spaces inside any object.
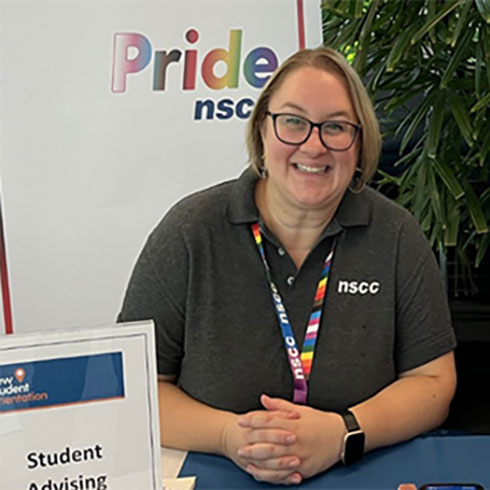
{"x":353,"y":444}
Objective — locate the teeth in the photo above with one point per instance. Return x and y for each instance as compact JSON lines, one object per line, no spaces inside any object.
{"x":311,"y":170}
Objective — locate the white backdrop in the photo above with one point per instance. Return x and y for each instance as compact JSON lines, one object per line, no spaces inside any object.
{"x":88,"y":166}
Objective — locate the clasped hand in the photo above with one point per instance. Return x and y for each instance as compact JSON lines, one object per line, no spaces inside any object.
{"x":286,"y":442}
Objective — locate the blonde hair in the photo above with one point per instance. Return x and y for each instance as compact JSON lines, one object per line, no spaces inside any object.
{"x":332,"y":62}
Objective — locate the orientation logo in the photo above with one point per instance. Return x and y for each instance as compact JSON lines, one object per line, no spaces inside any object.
{"x":65,"y":381}
{"x":14,"y":391}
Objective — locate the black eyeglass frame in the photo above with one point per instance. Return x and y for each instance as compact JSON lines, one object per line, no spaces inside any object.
{"x":275,"y":115}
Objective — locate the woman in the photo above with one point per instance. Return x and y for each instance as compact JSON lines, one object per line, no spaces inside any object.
{"x":296,"y":247}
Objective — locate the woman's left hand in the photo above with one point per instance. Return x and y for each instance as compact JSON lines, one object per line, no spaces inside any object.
{"x":318,"y":437}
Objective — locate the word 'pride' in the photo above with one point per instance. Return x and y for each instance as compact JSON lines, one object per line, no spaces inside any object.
{"x":258,"y":64}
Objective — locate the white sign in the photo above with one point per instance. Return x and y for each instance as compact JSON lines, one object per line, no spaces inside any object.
{"x":78,"y":410}
{"x":110,"y":112}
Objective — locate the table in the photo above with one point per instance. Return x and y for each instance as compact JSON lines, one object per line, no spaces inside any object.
{"x":460,"y":459}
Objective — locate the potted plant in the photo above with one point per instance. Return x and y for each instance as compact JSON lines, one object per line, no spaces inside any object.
{"x":427,"y":67}
{"x":426,"y":64}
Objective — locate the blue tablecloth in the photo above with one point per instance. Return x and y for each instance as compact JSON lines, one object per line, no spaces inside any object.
{"x":460,"y":459}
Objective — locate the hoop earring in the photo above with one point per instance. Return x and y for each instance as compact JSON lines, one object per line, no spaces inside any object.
{"x":357,"y":183}
{"x":263,"y":169}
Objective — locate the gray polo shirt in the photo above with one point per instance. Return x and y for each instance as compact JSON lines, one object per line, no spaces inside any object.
{"x":201,"y":279}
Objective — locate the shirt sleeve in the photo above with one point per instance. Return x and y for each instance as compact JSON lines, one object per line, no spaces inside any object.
{"x":423,"y":324}
{"x":157,"y":290}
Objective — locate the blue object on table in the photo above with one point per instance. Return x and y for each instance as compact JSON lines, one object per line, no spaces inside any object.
{"x":450,"y":459}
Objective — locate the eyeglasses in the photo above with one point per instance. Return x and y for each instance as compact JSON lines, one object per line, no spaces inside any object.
{"x":295,"y":130}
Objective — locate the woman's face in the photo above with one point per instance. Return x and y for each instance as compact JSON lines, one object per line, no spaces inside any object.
{"x":309,"y":176}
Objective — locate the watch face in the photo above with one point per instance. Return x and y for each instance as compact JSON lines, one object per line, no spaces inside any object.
{"x":353,"y":447}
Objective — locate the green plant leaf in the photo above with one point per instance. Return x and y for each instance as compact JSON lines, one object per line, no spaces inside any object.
{"x":356,"y":7}
{"x":399,"y":48}
{"x":443,"y":34}
{"x":462,"y":118}
{"x":350,"y":31}
{"x":448,"y":177}
{"x":482,"y":249}
{"x":452,"y":230}
{"x":487,"y":67}
{"x":483,"y":7}
{"x":485,"y":196}
{"x":435,"y":126}
{"x":485,"y":37}
{"x":461,"y":21}
{"x":455,"y":60}
{"x":432,"y":21}
{"x":478,"y":68}
{"x":435,"y":235}
{"x":410,"y":156}
{"x":475,"y":209}
{"x":408,"y":177}
{"x":399,"y":100}
{"x":484,"y":102}
{"x":478,"y":123}
{"x":485,"y":145}
{"x":416,"y":118}
{"x":390,"y":18}
{"x":388,"y":179}
{"x":431,"y":11}
{"x":339,"y":8}
{"x":420,"y":198}
{"x":471,"y":239}
{"x":365,"y":37}
{"x":437,"y":205}
{"x":373,"y":85}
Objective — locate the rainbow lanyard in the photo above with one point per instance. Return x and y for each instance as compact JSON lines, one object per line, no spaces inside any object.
{"x":300,"y":365}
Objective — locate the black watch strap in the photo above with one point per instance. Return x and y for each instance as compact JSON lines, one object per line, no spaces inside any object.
{"x":350,"y":420}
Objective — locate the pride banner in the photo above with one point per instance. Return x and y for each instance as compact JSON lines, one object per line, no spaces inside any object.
{"x":110,"y":112}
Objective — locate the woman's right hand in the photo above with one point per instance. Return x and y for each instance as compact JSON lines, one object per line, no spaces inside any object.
{"x":280,"y":469}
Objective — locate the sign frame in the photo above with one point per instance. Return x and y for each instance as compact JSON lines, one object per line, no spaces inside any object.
{"x":134,"y":409}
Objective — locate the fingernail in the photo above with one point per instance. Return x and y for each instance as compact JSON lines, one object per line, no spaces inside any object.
{"x":293,"y":464}
{"x":290,"y":439}
{"x":241,"y":452}
{"x":295,"y":479}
